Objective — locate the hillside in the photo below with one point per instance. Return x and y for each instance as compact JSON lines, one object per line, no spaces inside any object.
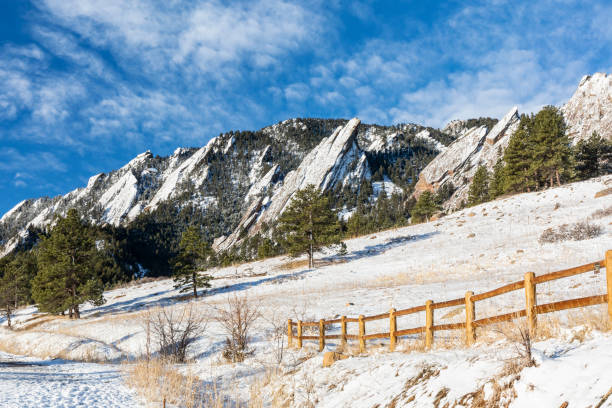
{"x":476,"y":249}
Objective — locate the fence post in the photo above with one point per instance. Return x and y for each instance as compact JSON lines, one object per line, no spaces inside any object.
{"x":429,"y":321}
{"x":470,"y":312}
{"x":530,"y":302}
{"x":299,"y":334}
{"x":321,"y":334}
{"x":362,"y":342}
{"x":609,"y":285}
{"x":343,"y":328}
{"x":289,"y":333}
{"x":392,"y":330}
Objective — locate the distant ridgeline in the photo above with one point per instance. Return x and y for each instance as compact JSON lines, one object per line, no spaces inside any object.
{"x":146,"y":205}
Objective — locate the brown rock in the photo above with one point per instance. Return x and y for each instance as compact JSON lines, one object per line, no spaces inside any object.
{"x":331,"y":357}
{"x":603,"y":192}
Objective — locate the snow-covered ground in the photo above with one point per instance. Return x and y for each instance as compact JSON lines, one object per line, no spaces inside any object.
{"x":31,"y":382}
{"x":475,"y":249}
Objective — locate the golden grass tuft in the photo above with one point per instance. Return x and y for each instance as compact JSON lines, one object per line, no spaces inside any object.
{"x":157,"y":381}
{"x":303,"y":263}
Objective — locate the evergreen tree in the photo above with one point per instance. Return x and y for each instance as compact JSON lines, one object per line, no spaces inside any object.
{"x":593,"y":157}
{"x":498,"y":180}
{"x":66,"y":277}
{"x":551,"y":155}
{"x":308,"y":224}
{"x":191,"y":259}
{"x":424,"y":208}
{"x":445,"y":192}
{"x":517,"y":158}
{"x":479,"y":189}
{"x":357,"y":224}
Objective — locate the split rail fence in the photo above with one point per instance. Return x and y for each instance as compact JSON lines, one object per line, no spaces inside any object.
{"x":531,"y":311}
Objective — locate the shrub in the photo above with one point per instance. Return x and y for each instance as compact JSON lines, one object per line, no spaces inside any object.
{"x":575,"y":232}
{"x":173,"y":330}
{"x":604,"y":212}
{"x":237,"y":319}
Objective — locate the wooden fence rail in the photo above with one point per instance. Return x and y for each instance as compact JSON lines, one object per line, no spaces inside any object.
{"x":531,"y":311}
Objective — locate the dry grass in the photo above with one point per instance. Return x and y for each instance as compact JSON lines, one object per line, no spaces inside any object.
{"x":38,"y":320}
{"x":137,"y":282}
{"x":303,"y":264}
{"x":157,"y":381}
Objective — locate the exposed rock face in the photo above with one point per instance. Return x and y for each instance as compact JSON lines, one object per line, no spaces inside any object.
{"x":590,"y":108}
{"x":237,"y":181}
{"x":458,"y":163}
{"x":336,"y":160}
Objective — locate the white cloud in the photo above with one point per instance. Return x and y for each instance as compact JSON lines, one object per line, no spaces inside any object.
{"x":256,"y":33}
{"x":133,"y":22}
{"x":297,"y":92}
{"x":479,"y":61}
{"x":23,"y":164}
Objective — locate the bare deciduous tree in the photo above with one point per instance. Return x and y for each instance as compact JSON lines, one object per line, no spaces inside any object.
{"x":237,"y":319}
{"x":173,"y":330}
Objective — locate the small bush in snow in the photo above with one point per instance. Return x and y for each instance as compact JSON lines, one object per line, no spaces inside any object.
{"x":574,"y":232}
{"x":237,"y":319}
{"x":173,"y":330}
{"x":604,"y":212}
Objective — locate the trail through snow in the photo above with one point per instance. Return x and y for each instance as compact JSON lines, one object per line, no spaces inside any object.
{"x":30,"y":382}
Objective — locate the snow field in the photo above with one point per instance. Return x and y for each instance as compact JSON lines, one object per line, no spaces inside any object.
{"x":476,"y":249}
{"x":33,"y":383}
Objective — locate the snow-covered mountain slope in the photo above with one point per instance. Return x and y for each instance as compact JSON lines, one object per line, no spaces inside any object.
{"x":476,"y":249}
{"x":232,"y":175}
{"x":474,"y":147}
{"x":590,"y":108}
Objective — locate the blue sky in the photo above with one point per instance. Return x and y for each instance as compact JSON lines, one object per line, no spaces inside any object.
{"x":85,"y":85}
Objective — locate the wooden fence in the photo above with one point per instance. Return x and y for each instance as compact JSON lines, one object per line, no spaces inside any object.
{"x":531,"y":311}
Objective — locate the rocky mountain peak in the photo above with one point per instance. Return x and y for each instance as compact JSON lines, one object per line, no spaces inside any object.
{"x":457,"y":164}
{"x":335,"y":160}
{"x":590,"y":108}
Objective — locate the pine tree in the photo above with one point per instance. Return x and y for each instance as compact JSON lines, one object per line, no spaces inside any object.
{"x":593,"y":157}
{"x":479,"y":189}
{"x":498,"y":180}
{"x":551,"y":155}
{"x":518,"y":158}
{"x":191,"y":259}
{"x":66,"y":277}
{"x":424,"y":208}
{"x":308,"y":224}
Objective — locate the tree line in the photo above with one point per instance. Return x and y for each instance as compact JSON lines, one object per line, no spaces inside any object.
{"x":539,"y":155}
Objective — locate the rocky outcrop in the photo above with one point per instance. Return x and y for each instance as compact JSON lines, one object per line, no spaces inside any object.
{"x":336,"y":160}
{"x":457,"y":164}
{"x":590,"y":108}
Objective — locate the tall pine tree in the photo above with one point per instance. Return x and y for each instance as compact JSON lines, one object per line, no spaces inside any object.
{"x":479,"y":189}
{"x":593,"y":157}
{"x":498,"y":180}
{"x":424,"y":208}
{"x":308,"y":224}
{"x":518,"y":157}
{"x":191,"y":259}
{"x":66,"y":277}
{"x":551,"y":155}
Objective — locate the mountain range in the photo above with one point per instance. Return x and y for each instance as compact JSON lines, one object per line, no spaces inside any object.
{"x":240,"y":181}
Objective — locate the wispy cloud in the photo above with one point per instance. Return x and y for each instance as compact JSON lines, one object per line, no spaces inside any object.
{"x":480,"y":60}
